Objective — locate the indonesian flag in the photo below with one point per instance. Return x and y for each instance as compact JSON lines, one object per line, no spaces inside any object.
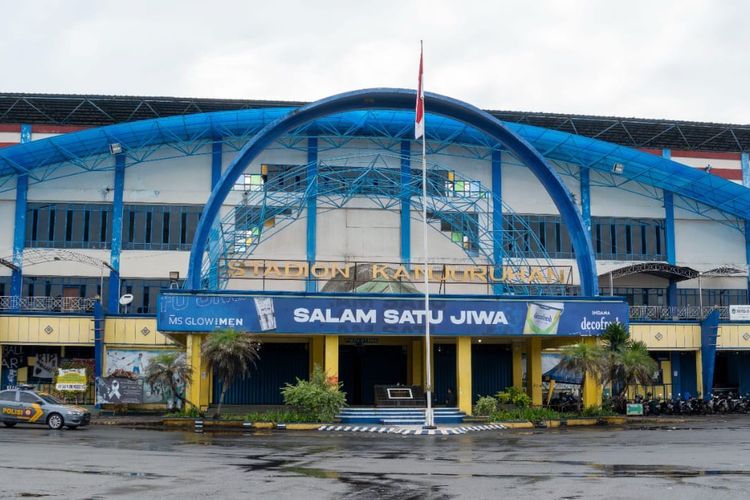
{"x":419,"y":112}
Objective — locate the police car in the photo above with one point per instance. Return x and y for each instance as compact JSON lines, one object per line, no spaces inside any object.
{"x":23,"y":405}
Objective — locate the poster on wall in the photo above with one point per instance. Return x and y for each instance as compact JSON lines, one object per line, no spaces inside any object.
{"x":739,"y":313}
{"x":119,"y":390}
{"x":135,"y":362}
{"x":73,"y":379}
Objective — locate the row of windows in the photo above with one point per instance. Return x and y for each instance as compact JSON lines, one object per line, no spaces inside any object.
{"x":613,"y":238}
{"x":335,"y":179}
{"x":685,"y":296}
{"x":144,"y":227}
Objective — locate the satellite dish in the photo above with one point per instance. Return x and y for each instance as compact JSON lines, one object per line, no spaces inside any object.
{"x":126,"y":299}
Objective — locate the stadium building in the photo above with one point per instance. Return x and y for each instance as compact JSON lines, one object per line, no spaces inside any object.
{"x":131,"y":226}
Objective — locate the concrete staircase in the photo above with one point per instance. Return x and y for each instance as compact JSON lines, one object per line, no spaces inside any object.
{"x":399,"y":416}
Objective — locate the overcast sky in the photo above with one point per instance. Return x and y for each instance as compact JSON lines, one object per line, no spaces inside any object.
{"x":681,"y":59}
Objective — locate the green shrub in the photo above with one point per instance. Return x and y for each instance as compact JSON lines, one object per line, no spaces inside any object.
{"x":486,"y":405}
{"x":277,"y":417}
{"x":597,"y":411}
{"x":514,"y":396}
{"x":318,"y":399}
{"x":530,"y":414}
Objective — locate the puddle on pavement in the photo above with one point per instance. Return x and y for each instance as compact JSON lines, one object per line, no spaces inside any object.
{"x":142,"y":475}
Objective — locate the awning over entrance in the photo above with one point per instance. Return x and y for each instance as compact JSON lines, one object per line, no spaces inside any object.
{"x":659,"y":269}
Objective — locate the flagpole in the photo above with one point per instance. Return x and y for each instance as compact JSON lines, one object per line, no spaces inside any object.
{"x":429,"y":420}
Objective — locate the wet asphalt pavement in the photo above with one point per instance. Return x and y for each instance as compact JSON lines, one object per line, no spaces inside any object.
{"x":707,"y":458}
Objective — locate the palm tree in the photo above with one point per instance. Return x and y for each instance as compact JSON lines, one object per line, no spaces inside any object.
{"x":166,"y":370}
{"x":586,"y":359}
{"x":637,"y":366}
{"x":230,"y":354}
{"x":616,"y":338}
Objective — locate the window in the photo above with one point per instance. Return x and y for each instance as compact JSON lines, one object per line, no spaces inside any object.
{"x":613,"y":238}
{"x":160,"y":227}
{"x":27,"y":397}
{"x":8,"y":396}
{"x":463,"y":228}
{"x":68,"y":225}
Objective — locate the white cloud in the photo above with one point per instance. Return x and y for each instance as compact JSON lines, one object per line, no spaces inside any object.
{"x":673,"y":59}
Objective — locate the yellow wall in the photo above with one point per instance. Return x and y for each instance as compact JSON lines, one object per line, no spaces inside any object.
{"x":134,"y":331}
{"x":667,"y":336}
{"x":732,"y":336}
{"x":47,"y":330}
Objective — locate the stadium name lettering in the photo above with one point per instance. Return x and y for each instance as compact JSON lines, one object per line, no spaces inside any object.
{"x":267,"y":269}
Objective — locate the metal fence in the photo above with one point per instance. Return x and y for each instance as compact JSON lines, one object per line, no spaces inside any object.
{"x":87,"y":397}
{"x":47,"y":304}
{"x":668,"y":313}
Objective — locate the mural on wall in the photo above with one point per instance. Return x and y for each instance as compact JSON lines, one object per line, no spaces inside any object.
{"x":45,"y":366}
{"x":135,"y":363}
{"x":13,"y":359}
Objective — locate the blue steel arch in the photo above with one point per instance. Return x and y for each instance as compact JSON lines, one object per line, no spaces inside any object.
{"x":401,"y":99}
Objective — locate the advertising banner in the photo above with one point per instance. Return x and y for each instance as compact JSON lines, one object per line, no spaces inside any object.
{"x":73,"y":379}
{"x":352,"y":315}
{"x":739,"y":313}
{"x":119,"y":390}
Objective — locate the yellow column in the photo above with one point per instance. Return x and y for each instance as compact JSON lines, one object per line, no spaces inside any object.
{"x":534,"y":370}
{"x":463,"y":374}
{"x":699,"y":372}
{"x":417,"y":362}
{"x":517,"y":366}
{"x":199,"y":389}
{"x":317,"y":348}
{"x":592,"y":389}
{"x":331,"y":358}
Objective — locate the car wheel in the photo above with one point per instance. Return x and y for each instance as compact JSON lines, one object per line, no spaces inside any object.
{"x":55,"y":421}
{"x":9,"y":424}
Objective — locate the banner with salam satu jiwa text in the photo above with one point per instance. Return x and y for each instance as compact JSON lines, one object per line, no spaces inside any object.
{"x":353,"y":315}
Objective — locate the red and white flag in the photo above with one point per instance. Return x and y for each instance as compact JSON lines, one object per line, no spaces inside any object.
{"x":419,"y":115}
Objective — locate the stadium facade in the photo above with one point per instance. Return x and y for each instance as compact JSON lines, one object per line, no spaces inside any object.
{"x":302,"y":224}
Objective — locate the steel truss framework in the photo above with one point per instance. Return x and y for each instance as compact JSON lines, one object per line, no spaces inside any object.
{"x":283,"y":200}
{"x":100,"y":110}
{"x":696,"y":192}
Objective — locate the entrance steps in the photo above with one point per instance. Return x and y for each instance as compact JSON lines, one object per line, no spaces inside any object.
{"x":398,"y":416}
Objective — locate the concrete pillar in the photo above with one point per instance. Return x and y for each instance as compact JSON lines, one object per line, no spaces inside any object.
{"x":331,"y":356}
{"x":317,"y":348}
{"x":199,"y":390}
{"x":517,"y":366}
{"x":417,"y":362}
{"x":592,"y":388}
{"x":534,"y":370}
{"x":463,"y":374}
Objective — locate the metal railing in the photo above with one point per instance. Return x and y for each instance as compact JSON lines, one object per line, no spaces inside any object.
{"x":669,"y":313}
{"x":47,"y":304}
{"x":87,"y":397}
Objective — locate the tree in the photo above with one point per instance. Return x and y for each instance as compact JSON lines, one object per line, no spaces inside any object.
{"x":616,"y":338}
{"x":167,"y":370}
{"x":636,"y":365}
{"x":230,"y":354}
{"x":586,"y":359}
